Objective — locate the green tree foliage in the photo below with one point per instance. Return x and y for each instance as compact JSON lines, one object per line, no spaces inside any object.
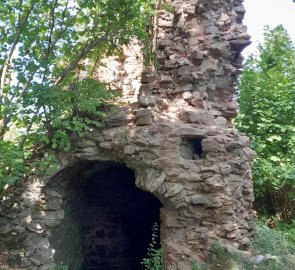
{"x":267,"y":115}
{"x":49,"y":50}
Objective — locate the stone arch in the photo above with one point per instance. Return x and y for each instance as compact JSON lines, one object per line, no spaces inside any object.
{"x":107,"y":222}
{"x":205,"y":198}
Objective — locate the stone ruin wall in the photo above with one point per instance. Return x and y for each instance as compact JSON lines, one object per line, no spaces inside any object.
{"x":177,"y":138}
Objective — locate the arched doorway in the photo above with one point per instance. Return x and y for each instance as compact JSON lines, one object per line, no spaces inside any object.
{"x":108,"y":221}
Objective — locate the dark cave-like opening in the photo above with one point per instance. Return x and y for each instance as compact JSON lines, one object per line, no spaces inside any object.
{"x":113,"y":218}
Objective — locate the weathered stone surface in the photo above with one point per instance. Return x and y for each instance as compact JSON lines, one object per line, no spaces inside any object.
{"x":86,"y":144}
{"x":95,"y":136}
{"x":155,"y":183}
{"x":53,"y":204}
{"x":239,"y":44}
{"x":175,"y":134}
{"x":187,"y":95}
{"x":40,"y":257}
{"x":117,"y":119}
{"x":3,"y":221}
{"x":220,"y":121}
{"x":144,"y":112}
{"x":129,"y":150}
{"x":201,"y":117}
{"x":183,"y":87}
{"x":188,"y":132}
{"x":144,"y":117}
{"x":106,"y":145}
{"x":109,"y":133}
{"x":5,"y":229}
{"x":144,"y":120}
{"x":148,"y":77}
{"x":146,"y":101}
{"x":173,"y":190}
{"x":200,"y":200}
{"x":215,"y":182}
{"x":35,"y":227}
{"x":49,"y":215}
{"x":209,"y":145}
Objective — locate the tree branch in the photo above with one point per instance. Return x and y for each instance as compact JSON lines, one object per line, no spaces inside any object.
{"x":87,"y":48}
{"x":8,"y":61}
{"x":23,"y":140}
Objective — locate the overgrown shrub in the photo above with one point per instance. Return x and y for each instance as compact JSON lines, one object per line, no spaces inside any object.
{"x":266,"y":93}
{"x":266,"y":242}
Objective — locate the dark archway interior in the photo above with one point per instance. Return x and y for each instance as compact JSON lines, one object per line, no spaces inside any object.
{"x":109,"y":220}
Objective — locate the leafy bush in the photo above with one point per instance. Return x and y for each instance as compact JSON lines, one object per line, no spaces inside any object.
{"x":267,"y":115}
{"x":265,"y":241}
{"x":288,"y":230}
{"x":271,"y":241}
{"x":12,"y":166}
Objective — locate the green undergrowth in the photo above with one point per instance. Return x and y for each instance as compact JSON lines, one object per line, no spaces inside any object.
{"x":154,"y":259}
{"x":273,"y":243}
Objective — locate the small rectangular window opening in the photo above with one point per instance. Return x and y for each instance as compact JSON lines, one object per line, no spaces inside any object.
{"x":191,"y":148}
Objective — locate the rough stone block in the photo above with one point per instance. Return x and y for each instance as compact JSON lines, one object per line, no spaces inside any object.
{"x":239,"y":44}
{"x":184,"y":87}
{"x":86,"y":144}
{"x":144,"y":112}
{"x":215,"y":182}
{"x":188,"y":132}
{"x":220,"y":121}
{"x":210,"y":64}
{"x":144,"y":120}
{"x":218,"y":50}
{"x":90,"y":151}
{"x":184,"y":70}
{"x":201,"y":117}
{"x":145,"y":90}
{"x":146,"y":101}
{"x":148,"y":77}
{"x":106,"y":145}
{"x":197,"y":55}
{"x":186,"y":95}
{"x":173,"y":189}
{"x":209,"y":145}
{"x":165,"y":79}
{"x":35,"y":227}
{"x":200,"y":200}
{"x":129,"y":150}
{"x":109,"y":134}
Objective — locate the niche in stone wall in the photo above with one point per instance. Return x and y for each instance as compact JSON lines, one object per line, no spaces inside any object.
{"x":108,"y":221}
{"x":191,"y":148}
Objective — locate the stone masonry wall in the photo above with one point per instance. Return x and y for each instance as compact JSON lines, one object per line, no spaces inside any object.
{"x":178,"y":140}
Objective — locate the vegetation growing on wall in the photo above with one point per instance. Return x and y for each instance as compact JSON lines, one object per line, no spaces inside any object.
{"x":154,"y":259}
{"x":48,"y":53}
